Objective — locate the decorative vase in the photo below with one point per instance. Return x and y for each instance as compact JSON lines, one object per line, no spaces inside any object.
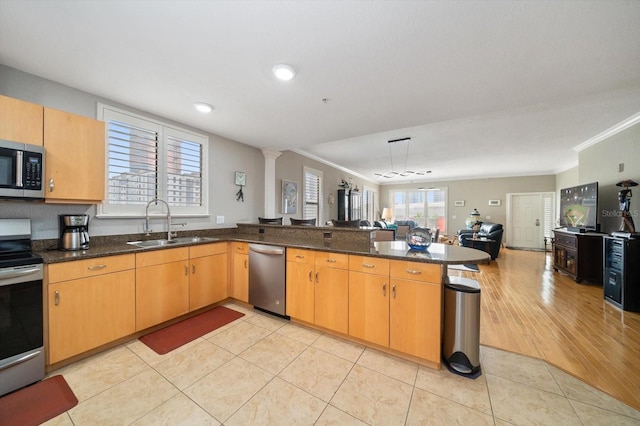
{"x":419,"y":238}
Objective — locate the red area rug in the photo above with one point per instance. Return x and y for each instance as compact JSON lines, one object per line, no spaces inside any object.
{"x":37,"y":403}
{"x":169,"y":338}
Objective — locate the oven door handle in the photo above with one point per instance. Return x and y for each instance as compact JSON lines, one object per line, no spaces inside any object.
{"x":20,"y":360}
{"x":12,"y":273}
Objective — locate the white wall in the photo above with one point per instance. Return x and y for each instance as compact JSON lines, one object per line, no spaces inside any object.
{"x":225,"y":157}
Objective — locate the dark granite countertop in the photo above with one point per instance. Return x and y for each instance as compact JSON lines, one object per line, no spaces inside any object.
{"x":444,"y":254}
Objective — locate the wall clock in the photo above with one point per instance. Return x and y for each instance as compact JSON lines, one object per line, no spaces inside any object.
{"x":241,"y":178}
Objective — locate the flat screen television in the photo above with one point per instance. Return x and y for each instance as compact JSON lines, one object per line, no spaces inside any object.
{"x":579,"y":207}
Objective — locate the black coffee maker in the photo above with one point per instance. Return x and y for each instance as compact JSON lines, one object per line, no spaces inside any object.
{"x":74,"y":231}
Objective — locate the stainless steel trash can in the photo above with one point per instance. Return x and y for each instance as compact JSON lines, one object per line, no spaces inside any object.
{"x":461,"y":334}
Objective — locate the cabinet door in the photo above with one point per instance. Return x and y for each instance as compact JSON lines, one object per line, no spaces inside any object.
{"x":414,"y":318}
{"x":300,"y":291}
{"x":75,"y":158}
{"x":208,"y":281}
{"x":89,"y":312}
{"x":369,"y":307}
{"x":240,"y":277}
{"x":162,"y":293}
{"x":20,"y":121}
{"x":331,"y":295}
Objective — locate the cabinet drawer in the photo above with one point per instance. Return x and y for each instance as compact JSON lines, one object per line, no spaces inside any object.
{"x":158,"y":257}
{"x":89,"y":267}
{"x":565,"y":240}
{"x":207,"y":250}
{"x":415,"y":271}
{"x":300,"y":256}
{"x":242,"y":248}
{"x":331,"y":260}
{"x":369,"y":265}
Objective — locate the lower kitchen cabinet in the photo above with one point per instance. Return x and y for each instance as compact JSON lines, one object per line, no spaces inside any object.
{"x":318,"y":288}
{"x":396,"y":304}
{"x":239,"y":280}
{"x":415,"y":307}
{"x":90,"y":303}
{"x":331,"y":291}
{"x":208,"y":274}
{"x":162,"y":286}
{"x":300,"y":288}
{"x":369,"y":299}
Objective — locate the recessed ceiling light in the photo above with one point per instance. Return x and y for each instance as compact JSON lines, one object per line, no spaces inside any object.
{"x":284,"y":72}
{"x":202,"y":107}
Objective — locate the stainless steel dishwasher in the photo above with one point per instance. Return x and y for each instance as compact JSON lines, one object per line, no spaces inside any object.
{"x":267,"y":278}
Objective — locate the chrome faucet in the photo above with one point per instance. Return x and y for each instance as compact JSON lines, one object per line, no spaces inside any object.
{"x":146,"y":219}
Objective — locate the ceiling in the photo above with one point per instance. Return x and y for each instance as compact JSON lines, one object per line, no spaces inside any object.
{"x":482,"y":88}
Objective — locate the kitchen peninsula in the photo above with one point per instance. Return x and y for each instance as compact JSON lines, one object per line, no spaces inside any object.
{"x":338,"y":280}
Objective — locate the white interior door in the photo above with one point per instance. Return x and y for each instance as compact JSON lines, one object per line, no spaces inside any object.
{"x":525,"y":220}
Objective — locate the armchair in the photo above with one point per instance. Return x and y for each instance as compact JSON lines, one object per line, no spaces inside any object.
{"x":491,"y":231}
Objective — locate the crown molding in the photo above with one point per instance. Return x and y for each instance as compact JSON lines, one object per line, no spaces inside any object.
{"x":625,"y":124}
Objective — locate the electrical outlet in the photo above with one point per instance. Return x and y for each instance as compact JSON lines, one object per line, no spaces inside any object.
{"x":487,"y":217}
{"x":219,"y":220}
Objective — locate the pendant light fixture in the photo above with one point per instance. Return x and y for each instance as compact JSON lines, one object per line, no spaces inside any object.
{"x":392,"y":173}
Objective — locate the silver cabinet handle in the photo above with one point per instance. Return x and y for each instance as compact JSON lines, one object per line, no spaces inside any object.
{"x":56,"y":298}
{"x":331,"y":260}
{"x":51,"y":185}
{"x":96,"y":267}
{"x":393,"y":291}
{"x":193,"y":269}
{"x":413,"y":272}
{"x":317,"y":276}
{"x":384,"y":289}
{"x":310,"y":276}
{"x":299,"y":256}
{"x":368,"y":265}
{"x":186,"y":270}
{"x":246,"y":264}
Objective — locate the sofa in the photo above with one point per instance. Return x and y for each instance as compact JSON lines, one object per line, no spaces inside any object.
{"x":492,"y":231}
{"x":410,"y":223}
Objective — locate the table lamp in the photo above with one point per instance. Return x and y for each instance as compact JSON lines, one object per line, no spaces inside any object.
{"x":386,"y":214}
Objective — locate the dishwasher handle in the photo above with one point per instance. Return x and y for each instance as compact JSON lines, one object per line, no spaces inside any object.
{"x":275,"y":251}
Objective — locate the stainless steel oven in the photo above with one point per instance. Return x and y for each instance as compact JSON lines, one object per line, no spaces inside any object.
{"x":21,"y":171}
{"x":21,"y":307}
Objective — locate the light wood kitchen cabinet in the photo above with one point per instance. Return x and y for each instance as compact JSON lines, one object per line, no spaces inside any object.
{"x":369,"y":299}
{"x":90,"y":303}
{"x":208,"y":274}
{"x":415,"y":309}
{"x":318,"y":288}
{"x":300,"y":287}
{"x":239,"y":280}
{"x":20,"y":121}
{"x":75,"y":158}
{"x":331,"y":291}
{"x":162,"y":286}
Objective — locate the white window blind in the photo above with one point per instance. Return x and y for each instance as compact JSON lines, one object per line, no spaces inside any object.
{"x":147,"y":159}
{"x":312,"y":195}
{"x":368,"y":204}
{"x":548,"y":212}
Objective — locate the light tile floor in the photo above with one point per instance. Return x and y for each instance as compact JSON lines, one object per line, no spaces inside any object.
{"x":261,"y":369}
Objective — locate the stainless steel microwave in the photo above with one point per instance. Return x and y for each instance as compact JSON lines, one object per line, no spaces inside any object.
{"x":21,"y":171}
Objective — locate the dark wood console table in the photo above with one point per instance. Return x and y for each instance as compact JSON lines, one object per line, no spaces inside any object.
{"x":578,"y":254}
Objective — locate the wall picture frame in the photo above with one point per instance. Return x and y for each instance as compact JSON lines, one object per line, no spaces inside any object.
{"x":241,"y":178}
{"x":458,"y":203}
{"x":494,"y":202}
{"x":289,"y":197}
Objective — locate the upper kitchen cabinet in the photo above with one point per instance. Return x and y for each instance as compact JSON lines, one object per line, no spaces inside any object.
{"x":20,"y":121}
{"x":75,"y":158}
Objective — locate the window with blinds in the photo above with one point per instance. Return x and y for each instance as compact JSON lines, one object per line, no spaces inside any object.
{"x":312,"y":208}
{"x":146,"y":160}
{"x":548,"y":203}
{"x":369,"y":204}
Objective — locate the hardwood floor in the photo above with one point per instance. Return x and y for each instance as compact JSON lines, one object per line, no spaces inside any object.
{"x":530,"y":309}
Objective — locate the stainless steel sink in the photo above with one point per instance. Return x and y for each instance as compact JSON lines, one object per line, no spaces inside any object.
{"x":187,"y":240}
{"x":173,"y":242}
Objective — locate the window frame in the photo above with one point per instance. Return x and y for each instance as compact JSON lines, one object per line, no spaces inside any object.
{"x":165,"y":132}
{"x":320,"y":205}
{"x":425,"y":209}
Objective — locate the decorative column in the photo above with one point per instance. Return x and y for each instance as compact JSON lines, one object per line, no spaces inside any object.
{"x":270,"y":182}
